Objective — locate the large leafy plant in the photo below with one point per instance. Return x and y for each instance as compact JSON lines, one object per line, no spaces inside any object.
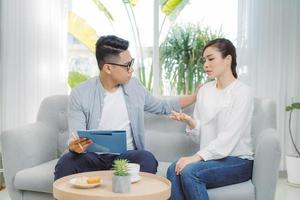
{"x":180,"y":56}
{"x":290,"y":109}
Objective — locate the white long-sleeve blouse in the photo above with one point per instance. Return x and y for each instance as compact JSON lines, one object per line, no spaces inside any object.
{"x":223,"y":121}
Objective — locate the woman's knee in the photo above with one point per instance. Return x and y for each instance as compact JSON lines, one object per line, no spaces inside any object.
{"x":190,"y":171}
{"x":171,"y":170}
{"x":195,"y":174}
{"x":186,"y":172}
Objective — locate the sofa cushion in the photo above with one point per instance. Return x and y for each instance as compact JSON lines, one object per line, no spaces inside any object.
{"x":239,"y":191}
{"x":53,"y":111}
{"x":166,"y":138}
{"x":39,"y":178}
{"x":30,"y":195}
{"x":162,"y":168}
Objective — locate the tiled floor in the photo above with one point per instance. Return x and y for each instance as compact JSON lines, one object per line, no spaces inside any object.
{"x":283,"y":192}
{"x":286,"y":192}
{"x":4,"y":195}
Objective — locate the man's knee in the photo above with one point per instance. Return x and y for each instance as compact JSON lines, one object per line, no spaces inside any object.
{"x":68,"y":164}
{"x":70,"y":159}
{"x":146,"y":155}
{"x":146,"y":160}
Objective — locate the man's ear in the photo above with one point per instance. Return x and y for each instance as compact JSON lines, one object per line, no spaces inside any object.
{"x":107,"y":68}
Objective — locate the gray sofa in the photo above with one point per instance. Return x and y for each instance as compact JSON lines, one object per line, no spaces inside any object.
{"x":31,"y":152}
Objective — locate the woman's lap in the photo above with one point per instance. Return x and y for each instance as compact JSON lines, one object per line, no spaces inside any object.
{"x":218,"y":173}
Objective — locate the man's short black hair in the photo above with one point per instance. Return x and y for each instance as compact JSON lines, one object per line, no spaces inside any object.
{"x":109,"y":47}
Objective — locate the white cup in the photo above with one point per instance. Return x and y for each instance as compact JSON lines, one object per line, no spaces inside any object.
{"x":133,"y":170}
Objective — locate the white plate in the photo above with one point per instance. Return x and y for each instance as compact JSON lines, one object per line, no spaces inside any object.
{"x":136,"y":179}
{"x":76,"y":182}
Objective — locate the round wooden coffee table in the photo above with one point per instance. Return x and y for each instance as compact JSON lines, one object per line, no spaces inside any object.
{"x":148,"y":188}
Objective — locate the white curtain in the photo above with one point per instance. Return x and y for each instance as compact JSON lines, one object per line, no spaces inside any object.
{"x":269,"y":57}
{"x":33,"y":50}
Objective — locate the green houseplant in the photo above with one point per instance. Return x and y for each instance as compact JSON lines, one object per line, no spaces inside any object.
{"x":181,"y":56}
{"x":121,"y":180}
{"x":76,"y":77}
{"x":293,"y":161}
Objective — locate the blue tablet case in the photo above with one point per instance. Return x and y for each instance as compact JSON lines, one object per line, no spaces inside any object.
{"x":112,"y":141}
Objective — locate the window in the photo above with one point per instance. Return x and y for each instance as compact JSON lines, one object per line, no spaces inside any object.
{"x":134,"y":21}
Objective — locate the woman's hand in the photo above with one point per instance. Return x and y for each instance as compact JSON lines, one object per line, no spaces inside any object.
{"x":182,"y":117}
{"x":184,"y":161}
{"x":79,"y":145}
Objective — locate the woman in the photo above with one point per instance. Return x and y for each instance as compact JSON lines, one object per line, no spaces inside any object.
{"x":222,"y":122}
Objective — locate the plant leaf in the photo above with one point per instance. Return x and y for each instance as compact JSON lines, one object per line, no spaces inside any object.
{"x":82,"y":31}
{"x":169,"y":6}
{"x":103,"y":9}
{"x":288,"y":108}
{"x":173,"y":7}
{"x":296,"y":105}
{"x":75,"y":78}
{"x":131,"y":2}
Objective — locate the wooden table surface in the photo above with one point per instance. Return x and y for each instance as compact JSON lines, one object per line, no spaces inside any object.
{"x":150,"y":187}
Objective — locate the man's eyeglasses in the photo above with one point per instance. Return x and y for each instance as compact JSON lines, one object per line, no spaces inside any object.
{"x":129,"y":65}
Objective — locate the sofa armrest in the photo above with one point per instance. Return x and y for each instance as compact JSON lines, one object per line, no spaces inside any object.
{"x":266,"y":164}
{"x":25,"y":147}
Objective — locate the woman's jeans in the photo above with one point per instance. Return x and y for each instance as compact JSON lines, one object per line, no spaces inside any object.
{"x":194,"y":180}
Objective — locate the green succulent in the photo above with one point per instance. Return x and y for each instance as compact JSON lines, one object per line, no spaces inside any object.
{"x":120,"y":167}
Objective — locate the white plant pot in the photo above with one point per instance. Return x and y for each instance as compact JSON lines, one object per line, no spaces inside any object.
{"x":121,"y":184}
{"x":293,"y":172}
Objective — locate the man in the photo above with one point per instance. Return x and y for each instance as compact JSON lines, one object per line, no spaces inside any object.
{"x":113,"y":100}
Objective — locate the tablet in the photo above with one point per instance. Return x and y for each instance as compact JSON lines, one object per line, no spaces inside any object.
{"x":105,"y":141}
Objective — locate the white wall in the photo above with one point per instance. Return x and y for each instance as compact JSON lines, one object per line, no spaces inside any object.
{"x":33,"y":50}
{"x":269,"y":56}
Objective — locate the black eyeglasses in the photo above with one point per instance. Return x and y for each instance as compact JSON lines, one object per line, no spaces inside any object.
{"x":129,"y":65}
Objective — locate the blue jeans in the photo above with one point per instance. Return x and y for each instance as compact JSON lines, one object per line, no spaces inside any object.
{"x":71,"y":163}
{"x":194,"y":180}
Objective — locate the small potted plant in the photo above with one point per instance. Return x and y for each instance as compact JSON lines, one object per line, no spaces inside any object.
{"x":293,"y":161}
{"x":121,"y":178}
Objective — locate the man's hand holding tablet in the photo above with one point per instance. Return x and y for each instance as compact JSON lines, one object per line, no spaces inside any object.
{"x":79,"y":145}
